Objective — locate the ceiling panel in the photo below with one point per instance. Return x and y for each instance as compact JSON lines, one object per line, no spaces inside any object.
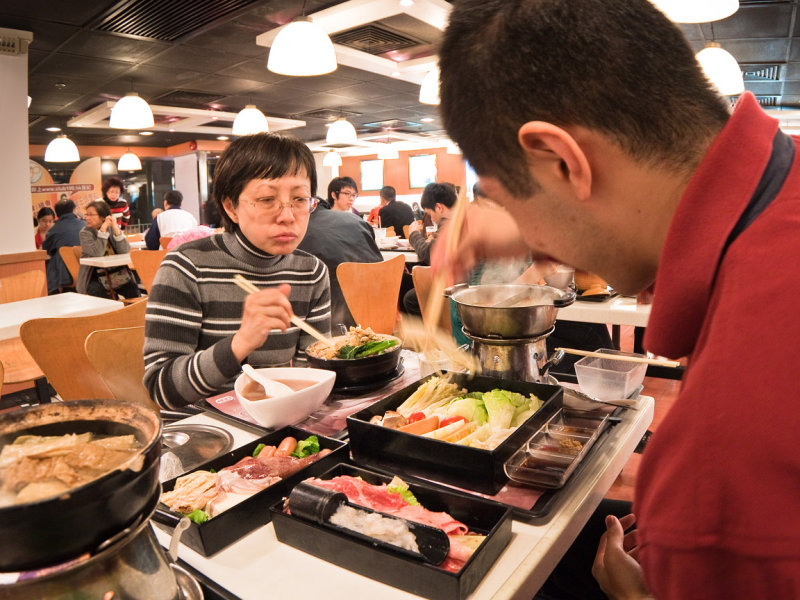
{"x":112,"y":47}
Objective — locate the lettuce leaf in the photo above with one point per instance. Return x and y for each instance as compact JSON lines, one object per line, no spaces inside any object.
{"x":400,"y":487}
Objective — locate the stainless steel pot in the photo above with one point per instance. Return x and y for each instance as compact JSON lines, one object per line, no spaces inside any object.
{"x":532,"y":313}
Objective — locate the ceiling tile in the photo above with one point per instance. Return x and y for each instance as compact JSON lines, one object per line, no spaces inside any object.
{"x":208,"y":60}
{"x":112,"y":47}
{"x":68,"y":66}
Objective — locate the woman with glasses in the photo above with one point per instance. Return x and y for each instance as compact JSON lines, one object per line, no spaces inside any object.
{"x":200,"y":325}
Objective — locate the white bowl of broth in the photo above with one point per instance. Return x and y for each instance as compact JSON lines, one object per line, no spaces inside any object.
{"x":310,"y":388}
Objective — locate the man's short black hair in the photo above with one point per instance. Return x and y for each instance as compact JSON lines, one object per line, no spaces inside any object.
{"x":337,"y":184}
{"x":620,"y":68}
{"x":388,"y":193}
{"x":173,"y":198}
{"x":64,"y":207}
{"x":259,"y":156}
{"x":438,"y":193}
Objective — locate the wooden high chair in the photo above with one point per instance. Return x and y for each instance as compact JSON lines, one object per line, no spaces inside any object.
{"x":22,"y":286}
{"x":372,"y":291}
{"x":423,"y":278}
{"x":146,"y":263}
{"x":71,"y":255}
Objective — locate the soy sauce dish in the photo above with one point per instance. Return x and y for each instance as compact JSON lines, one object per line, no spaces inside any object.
{"x":311,"y":388}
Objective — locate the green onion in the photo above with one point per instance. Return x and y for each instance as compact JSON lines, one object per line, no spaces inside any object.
{"x":258,"y":449}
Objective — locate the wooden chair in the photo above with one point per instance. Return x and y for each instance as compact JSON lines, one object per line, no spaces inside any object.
{"x":423,"y":279}
{"x":30,"y":284}
{"x":390,"y":232}
{"x":164,"y":241}
{"x":372,"y":290}
{"x":407,"y":227}
{"x":135,"y":237}
{"x":57,"y":346}
{"x":146,"y":263}
{"x":117,"y":355}
{"x":71,"y":256}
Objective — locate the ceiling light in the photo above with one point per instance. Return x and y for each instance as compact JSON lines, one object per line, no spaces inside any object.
{"x":332,"y":159}
{"x":427,"y":119}
{"x":250,"y":120}
{"x":302,"y":49}
{"x":722,"y":69}
{"x":429,"y":89}
{"x":406,"y":2}
{"x":129,"y":162}
{"x":388,"y":152}
{"x":52,"y":128}
{"x":145,"y":133}
{"x":341,"y":131}
{"x":223,"y":138}
{"x":61,"y":149}
{"x":131,"y":112}
{"x":29,"y":101}
{"x":692,"y":11}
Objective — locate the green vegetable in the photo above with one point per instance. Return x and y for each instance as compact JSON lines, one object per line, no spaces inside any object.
{"x":306,"y":447}
{"x":400,"y":487}
{"x":198,"y":516}
{"x":472,"y":409}
{"x":258,"y":449}
{"x":212,"y":470}
{"x":502,"y":406}
{"x":368,"y":349}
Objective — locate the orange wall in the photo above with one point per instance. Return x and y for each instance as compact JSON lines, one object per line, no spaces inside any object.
{"x":449,"y":167}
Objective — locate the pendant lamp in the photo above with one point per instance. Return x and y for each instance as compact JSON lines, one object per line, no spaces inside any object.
{"x":332,"y":159}
{"x":302,"y":49}
{"x":131,"y":112}
{"x":61,"y":149}
{"x":341,"y":131}
{"x":250,"y":120}
{"x":388,"y":152}
{"x":429,"y":89}
{"x":722,"y":69}
{"x":129,"y":162}
{"x":694,"y":11}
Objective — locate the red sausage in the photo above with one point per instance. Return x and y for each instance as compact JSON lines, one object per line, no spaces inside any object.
{"x":286,"y":447}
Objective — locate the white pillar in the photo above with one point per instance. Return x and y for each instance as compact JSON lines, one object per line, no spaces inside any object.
{"x":15,"y":195}
{"x":186,"y":182}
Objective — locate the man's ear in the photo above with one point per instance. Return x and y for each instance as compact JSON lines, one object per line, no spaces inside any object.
{"x":551,"y":147}
{"x":227,"y":204}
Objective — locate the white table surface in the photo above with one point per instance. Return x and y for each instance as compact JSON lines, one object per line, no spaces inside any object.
{"x":141,"y":245}
{"x":619,"y":310}
{"x":258,"y":562}
{"x":70,"y":304}
{"x":110,"y":260}
{"x":411,"y":257}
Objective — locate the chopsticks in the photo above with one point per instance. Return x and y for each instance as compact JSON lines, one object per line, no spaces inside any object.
{"x":250,"y":288}
{"x":650,"y":361}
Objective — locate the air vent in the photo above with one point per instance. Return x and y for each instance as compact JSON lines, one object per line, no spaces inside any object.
{"x":327,"y":114}
{"x":188,"y":99}
{"x":166,"y":21}
{"x":768,"y":101}
{"x":392,"y":125}
{"x":374,"y":39}
{"x":762,"y":72}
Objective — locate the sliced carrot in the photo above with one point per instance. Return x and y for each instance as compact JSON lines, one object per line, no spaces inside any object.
{"x":421,"y":427}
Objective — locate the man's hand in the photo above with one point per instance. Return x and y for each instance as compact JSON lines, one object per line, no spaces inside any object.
{"x":615,"y":566}
{"x":415,"y":226}
{"x":263,"y":311}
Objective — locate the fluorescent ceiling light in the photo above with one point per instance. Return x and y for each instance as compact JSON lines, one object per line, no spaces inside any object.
{"x":61,"y":149}
{"x":131,"y":112}
{"x":302,"y":49}
{"x":341,"y":131}
{"x":722,"y":69}
{"x":332,"y":159}
{"x":696,"y":11}
{"x":129,"y":162}
{"x":250,"y":120}
{"x":52,"y":129}
{"x":429,"y":90}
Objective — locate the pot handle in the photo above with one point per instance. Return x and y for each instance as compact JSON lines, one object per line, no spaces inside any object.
{"x":565,"y":300}
{"x":552,"y":361}
{"x":165,"y":517}
{"x":448,"y":292}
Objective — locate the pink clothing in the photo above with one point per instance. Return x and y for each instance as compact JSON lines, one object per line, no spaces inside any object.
{"x":718,"y":491}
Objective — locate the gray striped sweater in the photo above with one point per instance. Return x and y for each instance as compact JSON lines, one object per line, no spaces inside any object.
{"x":195,"y":308}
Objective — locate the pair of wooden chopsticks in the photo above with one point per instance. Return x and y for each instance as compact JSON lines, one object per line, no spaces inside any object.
{"x":638,"y":359}
{"x":250,"y":288}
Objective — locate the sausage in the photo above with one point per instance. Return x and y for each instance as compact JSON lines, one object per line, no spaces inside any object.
{"x":286,"y":447}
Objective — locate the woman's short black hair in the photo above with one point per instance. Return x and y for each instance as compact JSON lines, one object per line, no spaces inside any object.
{"x":112,"y":182}
{"x":259,"y":156}
{"x":102,"y":208}
{"x":45,"y":211}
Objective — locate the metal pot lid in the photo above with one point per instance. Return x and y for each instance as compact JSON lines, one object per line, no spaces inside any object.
{"x":524,"y":296}
{"x":186,"y":446}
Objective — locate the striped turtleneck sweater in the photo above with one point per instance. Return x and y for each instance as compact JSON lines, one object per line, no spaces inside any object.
{"x":195,"y":308}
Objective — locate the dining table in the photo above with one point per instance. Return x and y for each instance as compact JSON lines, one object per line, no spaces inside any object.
{"x":410,"y":256}
{"x":613,"y":310}
{"x":108,"y":261}
{"x":535,"y":548}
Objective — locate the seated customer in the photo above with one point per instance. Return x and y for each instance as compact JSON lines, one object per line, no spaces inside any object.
{"x":342,"y":192}
{"x":102,"y":236}
{"x":65,"y":232}
{"x":45,"y":219}
{"x":173,"y":219}
{"x":338,"y":237}
{"x":200,"y":325}
{"x":394,"y":213}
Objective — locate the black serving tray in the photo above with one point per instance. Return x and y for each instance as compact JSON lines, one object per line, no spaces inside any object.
{"x":239,"y":520}
{"x":462,"y":466}
{"x":395,"y":569}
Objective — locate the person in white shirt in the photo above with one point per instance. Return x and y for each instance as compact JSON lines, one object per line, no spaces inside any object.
{"x":173,"y":220}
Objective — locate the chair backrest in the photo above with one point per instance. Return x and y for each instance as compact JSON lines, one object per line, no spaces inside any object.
{"x":164,"y":241}
{"x":423,"y":278}
{"x":407,"y":227}
{"x":71,"y":256}
{"x":2,"y":374}
{"x":57,"y":346}
{"x":146,"y":263}
{"x":135,"y":237}
{"x":118,"y":356}
{"x":390,"y":231}
{"x":372,"y":291}
{"x":30,"y":284}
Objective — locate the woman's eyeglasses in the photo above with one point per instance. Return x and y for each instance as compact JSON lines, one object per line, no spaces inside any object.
{"x":273,"y":206}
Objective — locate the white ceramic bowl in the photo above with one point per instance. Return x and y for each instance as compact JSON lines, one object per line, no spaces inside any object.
{"x":279,"y":411}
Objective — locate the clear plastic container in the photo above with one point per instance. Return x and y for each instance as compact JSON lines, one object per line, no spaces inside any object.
{"x":609,"y":379}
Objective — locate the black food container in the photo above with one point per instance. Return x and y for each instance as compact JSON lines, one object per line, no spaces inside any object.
{"x":239,"y":520}
{"x":462,"y":466}
{"x":359,"y":371}
{"x":393,"y":568}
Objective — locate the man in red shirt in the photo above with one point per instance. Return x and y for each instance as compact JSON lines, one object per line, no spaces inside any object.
{"x":610,"y":151}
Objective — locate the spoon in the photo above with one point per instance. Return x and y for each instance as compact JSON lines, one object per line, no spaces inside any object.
{"x":271,"y":387}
